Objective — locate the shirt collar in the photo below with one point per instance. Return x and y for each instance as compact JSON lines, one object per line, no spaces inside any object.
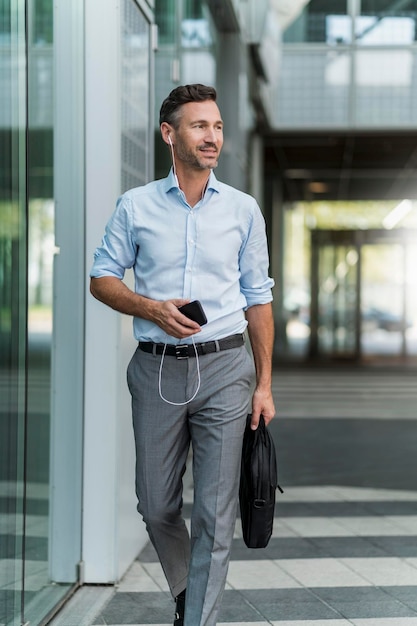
{"x":170,"y":182}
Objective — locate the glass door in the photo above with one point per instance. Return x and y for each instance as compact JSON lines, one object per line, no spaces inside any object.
{"x":335,"y":306}
{"x":363,"y":294}
{"x":389,"y":314}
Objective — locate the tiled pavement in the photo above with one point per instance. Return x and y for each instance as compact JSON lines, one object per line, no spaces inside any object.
{"x":344,"y":548}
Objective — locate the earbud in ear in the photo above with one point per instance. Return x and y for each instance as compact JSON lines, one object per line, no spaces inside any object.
{"x":170,"y":140}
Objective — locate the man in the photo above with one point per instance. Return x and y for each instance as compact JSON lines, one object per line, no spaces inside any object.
{"x":189,"y":237}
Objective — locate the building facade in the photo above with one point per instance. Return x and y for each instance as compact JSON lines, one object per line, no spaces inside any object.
{"x":80,"y":85}
{"x":81,"y":82}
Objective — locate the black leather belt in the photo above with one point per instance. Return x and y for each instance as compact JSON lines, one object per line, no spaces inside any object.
{"x":185,"y":350}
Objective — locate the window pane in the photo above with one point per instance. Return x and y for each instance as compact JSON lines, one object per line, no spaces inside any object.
{"x":384,"y":22}
{"x":321,"y":21}
{"x":42,"y":23}
{"x":165,"y":18}
{"x":135,"y":98}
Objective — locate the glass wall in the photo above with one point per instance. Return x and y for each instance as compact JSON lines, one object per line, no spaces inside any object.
{"x":13,"y":255}
{"x":349,"y":64}
{"x":378,"y":22}
{"x":27,"y":593}
{"x":136,"y":88}
{"x":316,"y":23}
{"x":386,"y":22}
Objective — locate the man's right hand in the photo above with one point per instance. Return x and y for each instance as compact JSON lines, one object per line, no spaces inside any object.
{"x":115,"y":293}
{"x":172,"y":321}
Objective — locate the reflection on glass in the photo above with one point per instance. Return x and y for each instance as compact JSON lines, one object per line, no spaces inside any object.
{"x":411,"y":296}
{"x":348,"y":296}
{"x":330,"y":22}
{"x":386,"y":23}
{"x":195,"y":28}
{"x":12,"y":306}
{"x":337,"y":284}
{"x":135,"y":95}
{"x":40,"y":213}
{"x":26,"y":245}
{"x":165,"y":17}
{"x":382,"y":299}
{"x":318,"y":23}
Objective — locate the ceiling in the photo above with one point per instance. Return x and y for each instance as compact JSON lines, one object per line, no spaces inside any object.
{"x":341,"y":166}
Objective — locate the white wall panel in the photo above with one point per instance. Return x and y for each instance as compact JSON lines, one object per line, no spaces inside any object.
{"x":112,"y":531}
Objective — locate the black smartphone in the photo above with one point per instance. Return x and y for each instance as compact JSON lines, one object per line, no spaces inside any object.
{"x":194,"y":311}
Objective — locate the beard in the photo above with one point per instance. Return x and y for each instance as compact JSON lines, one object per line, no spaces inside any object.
{"x":196,"y":158}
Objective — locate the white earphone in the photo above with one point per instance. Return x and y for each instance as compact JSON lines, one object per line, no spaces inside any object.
{"x":173,"y":159}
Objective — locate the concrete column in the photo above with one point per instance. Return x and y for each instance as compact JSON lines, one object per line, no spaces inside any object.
{"x":232,"y":101}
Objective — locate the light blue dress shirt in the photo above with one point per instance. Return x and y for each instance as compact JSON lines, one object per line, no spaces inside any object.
{"x":215,"y":252}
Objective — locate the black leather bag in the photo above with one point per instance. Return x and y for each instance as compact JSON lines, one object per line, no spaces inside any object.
{"x":258,"y":484}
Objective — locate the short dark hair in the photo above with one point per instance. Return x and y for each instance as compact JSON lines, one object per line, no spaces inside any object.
{"x":170,"y":108}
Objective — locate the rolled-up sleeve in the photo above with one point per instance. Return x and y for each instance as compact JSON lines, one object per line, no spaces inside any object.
{"x":117,"y":251}
{"x":255,"y":282}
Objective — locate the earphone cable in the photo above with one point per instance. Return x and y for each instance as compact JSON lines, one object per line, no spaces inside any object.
{"x":160,"y":378}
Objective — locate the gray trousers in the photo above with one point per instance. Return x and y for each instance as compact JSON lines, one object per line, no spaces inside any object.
{"x":213,"y":423}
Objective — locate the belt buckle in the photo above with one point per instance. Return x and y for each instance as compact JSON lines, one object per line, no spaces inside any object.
{"x":181,"y":351}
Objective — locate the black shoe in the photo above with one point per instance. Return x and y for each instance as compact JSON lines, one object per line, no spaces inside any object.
{"x":179,"y":609}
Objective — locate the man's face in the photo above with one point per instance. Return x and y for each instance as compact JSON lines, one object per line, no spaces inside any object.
{"x":199,"y":137}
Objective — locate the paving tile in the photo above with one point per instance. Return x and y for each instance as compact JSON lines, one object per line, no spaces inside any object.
{"x":393,"y":507}
{"x":412,"y":562}
{"x":259,"y":575}
{"x":369,"y":495}
{"x":397,"y":546}
{"x":83,"y":608}
{"x":317,"y":527}
{"x":286,"y":548}
{"x":289,"y":604}
{"x":406,"y":594}
{"x":137,"y":608}
{"x":364,"y":602}
{"x":155,"y":572}
{"x":373,"y":610}
{"x":313,"y":494}
{"x":148,"y":554}
{"x":137,"y":579}
{"x":340,"y":547}
{"x":238,"y":609}
{"x":408,"y":523}
{"x":342,"y":509}
{"x":396,"y":621}
{"x":309,"y":622}
{"x":388,"y":621}
{"x":351,"y":594}
{"x":391,"y":571}
{"x":322,"y":573}
{"x":262,"y":623}
{"x":375,"y":526}
{"x":282,"y":529}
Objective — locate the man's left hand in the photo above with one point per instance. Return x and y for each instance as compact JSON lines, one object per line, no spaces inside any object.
{"x":262,"y":402}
